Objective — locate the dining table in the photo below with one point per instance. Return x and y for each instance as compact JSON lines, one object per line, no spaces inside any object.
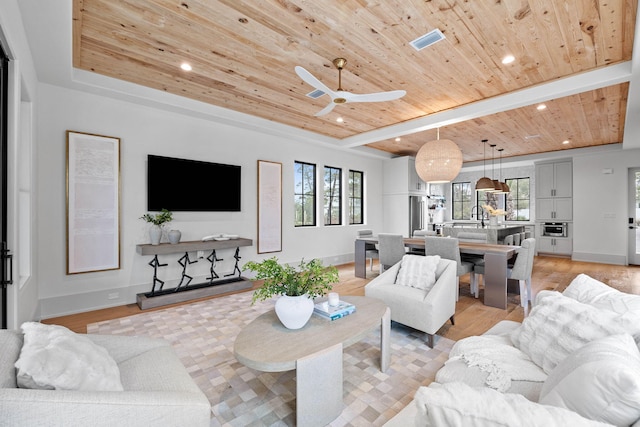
{"x":496,"y":259}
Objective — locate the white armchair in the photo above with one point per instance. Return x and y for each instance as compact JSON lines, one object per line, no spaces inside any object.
{"x":426,"y":311}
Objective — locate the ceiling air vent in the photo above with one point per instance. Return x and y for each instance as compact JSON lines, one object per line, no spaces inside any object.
{"x":315,"y":94}
{"x":428,"y":39}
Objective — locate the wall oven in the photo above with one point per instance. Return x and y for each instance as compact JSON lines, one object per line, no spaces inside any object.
{"x":554,"y":229}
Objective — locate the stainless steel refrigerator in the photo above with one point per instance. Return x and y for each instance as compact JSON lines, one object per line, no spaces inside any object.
{"x":417,"y":213}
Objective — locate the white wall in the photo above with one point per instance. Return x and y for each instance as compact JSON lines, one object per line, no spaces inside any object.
{"x":143,"y":131}
{"x":600,"y":206}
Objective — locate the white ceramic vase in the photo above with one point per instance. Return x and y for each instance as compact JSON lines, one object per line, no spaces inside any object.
{"x":155,"y":234}
{"x":493,"y":220}
{"x":294,"y":312}
{"x":174,"y":236}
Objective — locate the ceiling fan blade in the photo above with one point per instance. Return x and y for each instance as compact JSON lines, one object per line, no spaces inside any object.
{"x":374,"y":97}
{"x":325,"y":110}
{"x":308,"y":78}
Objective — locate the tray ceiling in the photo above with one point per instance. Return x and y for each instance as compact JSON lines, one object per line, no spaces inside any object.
{"x":243,"y":55}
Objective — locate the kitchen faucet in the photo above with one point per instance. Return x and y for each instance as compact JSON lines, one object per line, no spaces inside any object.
{"x":479,"y":212}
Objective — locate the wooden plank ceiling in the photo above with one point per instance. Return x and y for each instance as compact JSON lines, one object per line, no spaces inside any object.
{"x":243,"y":55}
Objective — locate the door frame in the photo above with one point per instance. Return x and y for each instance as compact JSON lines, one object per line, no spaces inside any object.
{"x":633,"y":253}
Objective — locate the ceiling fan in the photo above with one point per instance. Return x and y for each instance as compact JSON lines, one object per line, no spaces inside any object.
{"x":341,"y":96}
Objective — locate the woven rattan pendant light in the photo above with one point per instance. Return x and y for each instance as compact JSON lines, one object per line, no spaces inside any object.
{"x":438,"y":161}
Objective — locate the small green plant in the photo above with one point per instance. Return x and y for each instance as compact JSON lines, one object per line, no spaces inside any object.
{"x":310,"y":278}
{"x":160,"y":218}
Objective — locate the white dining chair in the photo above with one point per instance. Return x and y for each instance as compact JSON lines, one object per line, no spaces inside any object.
{"x":390,"y":249}
{"x":449,"y":248}
{"x":521,"y":270}
{"x":371,"y":251}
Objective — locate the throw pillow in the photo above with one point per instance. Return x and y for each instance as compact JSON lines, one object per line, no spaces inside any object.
{"x":458,"y":404}
{"x":600,"y":381}
{"x":418,"y":271}
{"x":590,"y":291}
{"x":557,"y":326}
{"x":53,"y":357}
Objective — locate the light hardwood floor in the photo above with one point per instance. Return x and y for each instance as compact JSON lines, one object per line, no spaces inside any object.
{"x":471,"y":318}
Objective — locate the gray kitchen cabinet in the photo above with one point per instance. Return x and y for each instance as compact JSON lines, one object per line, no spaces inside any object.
{"x":400,"y":176}
{"x":554,"y":209}
{"x":555,"y":245}
{"x":554,"y":179}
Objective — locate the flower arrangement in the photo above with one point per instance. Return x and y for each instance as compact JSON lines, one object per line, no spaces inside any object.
{"x":494,"y":212}
{"x":161,"y":218}
{"x":310,"y":278}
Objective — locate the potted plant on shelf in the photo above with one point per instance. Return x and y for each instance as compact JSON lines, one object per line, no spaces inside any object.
{"x":296,"y":287}
{"x":157,"y":221}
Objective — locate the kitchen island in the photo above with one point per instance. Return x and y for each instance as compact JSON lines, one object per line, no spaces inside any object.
{"x":495,"y":233}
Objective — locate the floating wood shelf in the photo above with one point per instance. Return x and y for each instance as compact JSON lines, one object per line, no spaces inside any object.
{"x":192,"y":246}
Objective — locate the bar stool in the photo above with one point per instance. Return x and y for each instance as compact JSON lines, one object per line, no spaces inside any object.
{"x":516,"y":239}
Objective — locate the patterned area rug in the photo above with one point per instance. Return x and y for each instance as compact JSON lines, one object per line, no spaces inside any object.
{"x":203,"y":334}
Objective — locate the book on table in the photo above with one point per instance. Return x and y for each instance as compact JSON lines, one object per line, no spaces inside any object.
{"x":327,"y":311}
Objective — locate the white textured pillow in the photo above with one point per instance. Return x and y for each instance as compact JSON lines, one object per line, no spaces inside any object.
{"x":600,"y":381}
{"x":458,"y":404}
{"x":53,"y":357}
{"x":590,"y":291}
{"x":558,"y":326}
{"x":418,"y":271}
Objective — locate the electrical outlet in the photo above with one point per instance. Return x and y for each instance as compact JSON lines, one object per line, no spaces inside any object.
{"x":113,"y":295}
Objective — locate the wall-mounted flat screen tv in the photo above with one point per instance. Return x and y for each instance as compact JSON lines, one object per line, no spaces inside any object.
{"x":192,"y":185}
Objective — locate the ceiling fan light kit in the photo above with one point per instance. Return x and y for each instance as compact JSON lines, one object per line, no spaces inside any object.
{"x":341,"y":96}
{"x":439,"y":161}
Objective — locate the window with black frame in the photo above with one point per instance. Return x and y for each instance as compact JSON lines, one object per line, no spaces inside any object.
{"x":356,"y":197}
{"x":305,"y":194}
{"x":332,"y":196}
{"x":461,"y":200}
{"x":518,"y":200}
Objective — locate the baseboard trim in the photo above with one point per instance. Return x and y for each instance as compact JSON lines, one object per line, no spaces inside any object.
{"x":599,"y":258}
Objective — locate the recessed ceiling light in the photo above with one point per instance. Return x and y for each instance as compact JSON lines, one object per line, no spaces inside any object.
{"x":185,"y":66}
{"x":398,"y":139}
{"x":339,"y":120}
{"x":508,"y":59}
{"x":541,"y":107}
{"x":565,"y":142}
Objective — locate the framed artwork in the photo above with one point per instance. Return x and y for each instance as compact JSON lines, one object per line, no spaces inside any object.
{"x":93,"y":203}
{"x":269,"y":207}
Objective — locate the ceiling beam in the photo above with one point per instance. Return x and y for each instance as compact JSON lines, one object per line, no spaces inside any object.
{"x":602,"y":77}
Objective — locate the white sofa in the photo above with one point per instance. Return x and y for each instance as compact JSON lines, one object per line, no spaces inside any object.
{"x":158,"y":391}
{"x":573,"y":361}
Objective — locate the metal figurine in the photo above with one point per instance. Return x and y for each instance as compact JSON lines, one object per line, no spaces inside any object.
{"x":155,"y":263}
{"x":212,"y":259}
{"x":184,"y":261}
{"x":235,"y":268}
